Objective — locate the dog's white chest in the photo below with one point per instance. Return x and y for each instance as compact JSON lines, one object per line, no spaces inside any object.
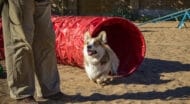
{"x":95,"y":70}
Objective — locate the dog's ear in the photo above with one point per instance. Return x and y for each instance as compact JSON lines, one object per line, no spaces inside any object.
{"x":87,"y":35}
{"x":102,"y":35}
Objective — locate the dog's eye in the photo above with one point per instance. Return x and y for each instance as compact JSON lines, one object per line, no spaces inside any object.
{"x":97,"y":43}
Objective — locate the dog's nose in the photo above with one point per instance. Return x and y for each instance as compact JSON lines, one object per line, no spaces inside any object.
{"x":89,"y":46}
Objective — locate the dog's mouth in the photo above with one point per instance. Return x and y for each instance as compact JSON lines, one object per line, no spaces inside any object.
{"x":91,"y":52}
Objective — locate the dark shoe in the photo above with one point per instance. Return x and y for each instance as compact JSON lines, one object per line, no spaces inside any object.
{"x":27,"y":100}
{"x":57,"y":96}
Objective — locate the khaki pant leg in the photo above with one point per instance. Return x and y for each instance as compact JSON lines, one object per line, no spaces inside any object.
{"x":18,"y":29}
{"x":44,"y":50}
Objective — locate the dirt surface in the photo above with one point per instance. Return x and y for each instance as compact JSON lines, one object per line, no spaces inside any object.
{"x":163,"y":77}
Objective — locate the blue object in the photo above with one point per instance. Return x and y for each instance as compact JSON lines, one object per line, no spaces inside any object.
{"x":184,"y":14}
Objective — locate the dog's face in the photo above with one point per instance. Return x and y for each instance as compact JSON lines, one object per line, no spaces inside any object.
{"x":94,"y":46}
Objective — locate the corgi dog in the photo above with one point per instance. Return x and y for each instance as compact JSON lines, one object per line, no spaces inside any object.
{"x":99,"y":59}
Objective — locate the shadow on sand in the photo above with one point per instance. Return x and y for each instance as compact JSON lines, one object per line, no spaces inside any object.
{"x":182,"y":92}
{"x":148,"y":73}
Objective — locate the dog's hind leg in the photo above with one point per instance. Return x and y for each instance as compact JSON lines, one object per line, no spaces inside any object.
{"x":114,"y":61}
{"x":114,"y":65}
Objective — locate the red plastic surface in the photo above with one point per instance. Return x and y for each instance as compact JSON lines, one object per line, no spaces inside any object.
{"x":2,"y":56}
{"x":123,"y":37}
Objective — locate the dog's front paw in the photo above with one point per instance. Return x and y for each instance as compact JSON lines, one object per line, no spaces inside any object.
{"x":104,"y":81}
{"x":100,"y":82}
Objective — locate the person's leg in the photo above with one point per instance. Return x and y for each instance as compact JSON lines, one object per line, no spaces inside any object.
{"x":44,"y":50}
{"x":18,"y":28}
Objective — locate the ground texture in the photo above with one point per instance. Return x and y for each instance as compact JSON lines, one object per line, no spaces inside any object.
{"x":163,"y":77}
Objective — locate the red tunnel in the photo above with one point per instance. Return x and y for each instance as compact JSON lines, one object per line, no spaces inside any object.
{"x":123,"y":37}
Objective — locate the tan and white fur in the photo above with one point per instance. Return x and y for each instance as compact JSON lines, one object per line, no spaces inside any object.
{"x":99,"y":59}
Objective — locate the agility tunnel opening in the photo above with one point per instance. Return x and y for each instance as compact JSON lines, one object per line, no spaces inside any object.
{"x":123,"y":37}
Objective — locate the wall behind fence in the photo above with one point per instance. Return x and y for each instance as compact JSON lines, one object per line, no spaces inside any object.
{"x":153,"y":8}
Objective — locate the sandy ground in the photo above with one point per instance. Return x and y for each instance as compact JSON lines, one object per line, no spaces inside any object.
{"x":163,"y":77}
